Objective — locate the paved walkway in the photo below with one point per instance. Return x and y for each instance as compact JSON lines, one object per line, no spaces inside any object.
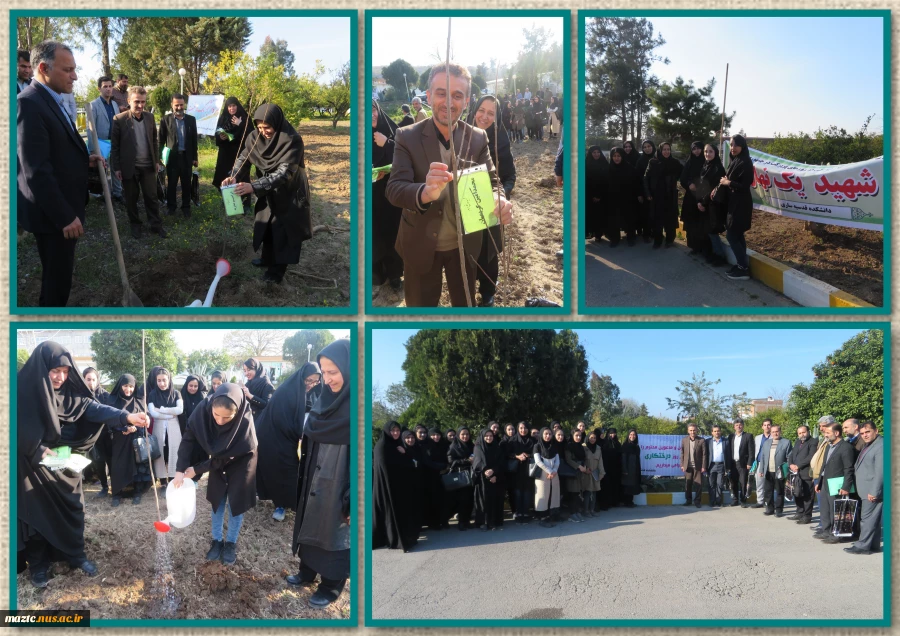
{"x":640,"y":276}
{"x":646,"y":562}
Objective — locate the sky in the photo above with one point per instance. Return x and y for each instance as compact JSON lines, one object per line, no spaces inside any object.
{"x":194,"y":339}
{"x":785,"y":74}
{"x":309,"y":39}
{"x":647,"y":364}
{"x":474,"y":40}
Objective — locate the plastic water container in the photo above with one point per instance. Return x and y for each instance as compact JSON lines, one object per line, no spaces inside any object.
{"x":181,"y":503}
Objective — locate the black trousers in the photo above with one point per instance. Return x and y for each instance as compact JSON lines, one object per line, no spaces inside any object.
{"x":143,"y":182}
{"x":773,"y":488}
{"x":739,"y":476}
{"x":332,"y":588}
{"x":804,"y":499}
{"x":38,"y":553}
{"x":178,"y":169}
{"x":57,"y":254}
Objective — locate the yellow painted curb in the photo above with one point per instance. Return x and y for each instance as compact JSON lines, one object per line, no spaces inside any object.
{"x":768,"y":271}
{"x":659,"y":499}
{"x":843,"y":299}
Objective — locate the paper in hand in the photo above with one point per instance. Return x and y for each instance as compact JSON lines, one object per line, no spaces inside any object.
{"x":476,"y":199}
{"x":233,"y":204}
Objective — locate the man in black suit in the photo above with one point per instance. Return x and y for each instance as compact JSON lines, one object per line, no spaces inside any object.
{"x":52,"y":169}
{"x":743,"y":450}
{"x":718,"y":464}
{"x":839,"y":461}
{"x":23,"y":71}
{"x":178,"y":133}
{"x":800,"y":460}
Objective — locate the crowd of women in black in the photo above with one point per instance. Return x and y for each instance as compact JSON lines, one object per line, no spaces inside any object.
{"x":425,"y":478}
{"x":245,"y":437}
{"x":635,"y":193}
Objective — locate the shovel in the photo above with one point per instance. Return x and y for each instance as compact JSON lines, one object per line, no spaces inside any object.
{"x":129,"y":298}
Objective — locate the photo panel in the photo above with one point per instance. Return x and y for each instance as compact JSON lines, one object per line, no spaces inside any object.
{"x":473,"y":222}
{"x":693,"y":484}
{"x":239,"y":192}
{"x":728,"y":175}
{"x":120,"y":494}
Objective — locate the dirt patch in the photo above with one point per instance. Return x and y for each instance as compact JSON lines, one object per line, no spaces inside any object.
{"x":851,"y":260}
{"x":174,"y":271}
{"x":533,"y":239}
{"x":123,"y":543}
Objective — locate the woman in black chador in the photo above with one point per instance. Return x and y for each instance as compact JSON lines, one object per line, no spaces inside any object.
{"x":596,"y":183}
{"x":661,"y":188}
{"x":55,"y":409}
{"x":234,"y":121}
{"x":488,"y":473}
{"x":281,"y":189}
{"x":396,"y":517}
{"x":124,"y":470}
{"x":435,"y":461}
{"x":521,"y":449}
{"x":739,"y":205}
{"x":258,"y":389}
{"x":631,"y":468}
{"x":459,"y":458}
{"x":611,"y":484}
{"x":644,"y":226}
{"x":322,"y":525}
{"x":712,"y":212}
{"x":622,"y":199}
{"x":630,"y":154}
{"x":312,"y":380}
{"x":694,"y":226}
{"x":387,"y":266}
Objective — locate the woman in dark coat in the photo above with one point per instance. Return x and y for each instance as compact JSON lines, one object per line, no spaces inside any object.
{"x":193,"y":392}
{"x":596,"y":184}
{"x":691,"y":217}
{"x":224,"y":429}
{"x":258,"y":389}
{"x":395,"y":515}
{"x":55,"y":409}
{"x":282,"y":190}
{"x":102,"y":449}
{"x":387,"y":266}
{"x":661,"y":189}
{"x":459,"y":458}
{"x":124,"y":469}
{"x":712,"y":212}
{"x":488,"y":473}
{"x":232,"y":127}
{"x":521,"y":449}
{"x":509,"y":478}
{"x":312,"y":381}
{"x":631,"y":468}
{"x":622,"y":199}
{"x":279,"y":428}
{"x":644,"y":226}
{"x":322,"y":525}
{"x":630,"y":154}
{"x":738,"y":179}
{"x":435,"y":462}
{"x":484,"y":116}
{"x":611,"y":484}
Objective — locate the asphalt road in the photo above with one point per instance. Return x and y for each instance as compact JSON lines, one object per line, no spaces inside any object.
{"x":645,"y":562}
{"x":640,"y":276}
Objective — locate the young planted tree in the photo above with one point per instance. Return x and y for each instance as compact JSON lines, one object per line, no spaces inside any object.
{"x":118,"y":351}
{"x":698,"y":402}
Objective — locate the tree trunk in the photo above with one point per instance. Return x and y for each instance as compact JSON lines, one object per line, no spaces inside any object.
{"x":104,"y":46}
{"x":28,"y":41}
{"x":46,"y":28}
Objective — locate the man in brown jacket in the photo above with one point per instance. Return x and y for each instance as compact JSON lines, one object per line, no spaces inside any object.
{"x":427,"y":239}
{"x":693,"y":462}
{"x":134,"y":159}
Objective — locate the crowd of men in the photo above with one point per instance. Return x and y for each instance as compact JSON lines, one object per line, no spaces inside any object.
{"x":846,"y":462}
{"x":54,"y":163}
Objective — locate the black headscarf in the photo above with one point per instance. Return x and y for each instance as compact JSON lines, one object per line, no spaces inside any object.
{"x":633,"y":156}
{"x":577,"y":448}
{"x":100,"y":393}
{"x":548,"y":450}
{"x":595,"y":168}
{"x":587,"y":440}
{"x":386,"y":126}
{"x":117,"y":399}
{"x":142,"y":390}
{"x":742,"y":160}
{"x":308,"y":369}
{"x":191,"y":401}
{"x":161,"y":398}
{"x":670,"y":166}
{"x":611,"y":443}
{"x":329,"y":419}
{"x":488,"y":456}
{"x":260,"y":385}
{"x":286,"y":146}
{"x":460,"y":448}
{"x":696,"y":163}
{"x":233,"y":439}
{"x":712,"y":167}
{"x":618,"y":172}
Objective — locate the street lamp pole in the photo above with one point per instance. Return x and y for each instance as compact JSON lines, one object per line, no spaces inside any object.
{"x":182,"y":72}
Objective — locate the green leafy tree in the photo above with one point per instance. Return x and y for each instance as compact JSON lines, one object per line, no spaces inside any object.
{"x":832,"y":145}
{"x":295,"y":347}
{"x":393,"y":75}
{"x":698,"y":403}
{"x":399,"y":398}
{"x":336,"y":95}
{"x":423,"y":79}
{"x":118,"y":351}
{"x":21,"y":358}
{"x":605,"y":402}
{"x":151,"y":50}
{"x":478,"y":375}
{"x":781,"y":417}
{"x":684,"y":113}
{"x":630,"y":408}
{"x":204,"y":361}
{"x":848,"y":383}
{"x":278,"y":49}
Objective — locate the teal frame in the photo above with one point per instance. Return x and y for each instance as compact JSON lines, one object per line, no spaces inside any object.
{"x":566,"y":16}
{"x":350,"y":622}
{"x":885,"y":309}
{"x":352,"y":306}
{"x":648,"y":623}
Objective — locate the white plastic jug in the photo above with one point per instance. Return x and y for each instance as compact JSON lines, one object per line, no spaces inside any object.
{"x":181,"y":503}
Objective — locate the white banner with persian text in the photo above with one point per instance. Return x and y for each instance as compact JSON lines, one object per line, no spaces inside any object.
{"x":206,"y":109}
{"x":661,"y":455}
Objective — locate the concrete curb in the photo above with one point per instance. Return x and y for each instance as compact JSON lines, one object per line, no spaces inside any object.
{"x":677,"y":498}
{"x":799,"y":287}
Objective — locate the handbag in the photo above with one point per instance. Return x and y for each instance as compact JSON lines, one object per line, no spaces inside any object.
{"x":195,"y":187}
{"x":534,"y":471}
{"x":145,"y":445}
{"x":792,"y":487}
{"x":844,"y":516}
{"x":454,"y":480}
{"x":565,"y":471}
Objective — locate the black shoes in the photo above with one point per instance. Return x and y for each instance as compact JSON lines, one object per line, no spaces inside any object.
{"x":757,"y":505}
{"x":735,"y":503}
{"x":804,"y":521}
{"x":486,"y":301}
{"x":271,"y":277}
{"x":851,"y":550}
{"x":738,"y":273}
{"x":779,"y":514}
{"x":162,"y":233}
{"x":40,"y":578}
{"x":229,"y":553}
{"x":215,"y":550}
{"x":793,"y":517}
{"x":296,"y":580}
{"x":103,"y":493}
{"x":831,"y":539}
{"x":88,"y":567}
{"x":319,"y":600}
{"x":115,"y":501}
{"x":134,"y":500}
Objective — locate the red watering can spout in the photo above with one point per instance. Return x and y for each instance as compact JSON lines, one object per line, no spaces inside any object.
{"x":161,"y":526}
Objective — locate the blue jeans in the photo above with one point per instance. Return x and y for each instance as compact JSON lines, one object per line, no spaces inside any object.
{"x":218,"y":521}
{"x":717,"y":247}
{"x":739,"y":246}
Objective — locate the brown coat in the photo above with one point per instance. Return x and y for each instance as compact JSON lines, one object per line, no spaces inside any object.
{"x":699,"y":453}
{"x":124,"y":148}
{"x":416,"y":147}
